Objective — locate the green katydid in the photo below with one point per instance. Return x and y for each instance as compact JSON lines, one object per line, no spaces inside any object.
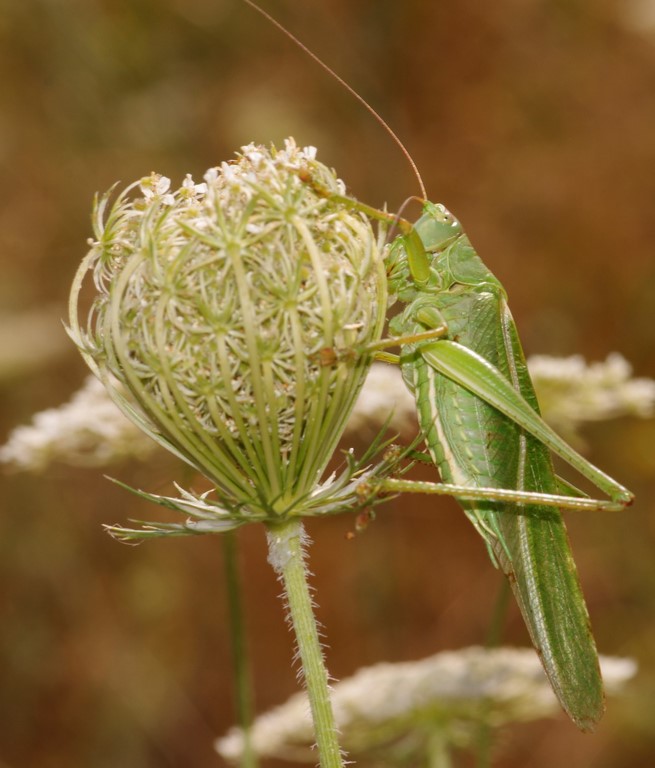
{"x":462,"y":359}
{"x":479,"y":415}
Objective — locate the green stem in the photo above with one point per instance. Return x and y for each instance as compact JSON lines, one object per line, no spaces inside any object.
{"x":286,"y":555}
{"x":438,"y":750}
{"x":240,"y":665}
{"x":495,"y":630}
{"x":494,"y":636}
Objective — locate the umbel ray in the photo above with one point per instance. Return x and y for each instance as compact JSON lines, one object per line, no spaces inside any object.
{"x":461,"y":357}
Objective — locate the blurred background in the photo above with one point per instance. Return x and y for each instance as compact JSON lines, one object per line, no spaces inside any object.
{"x":534,"y":122}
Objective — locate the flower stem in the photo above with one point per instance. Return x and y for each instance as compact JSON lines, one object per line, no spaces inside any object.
{"x":438,"y":750}
{"x":494,"y":636}
{"x":286,"y":555}
{"x":241,"y":667}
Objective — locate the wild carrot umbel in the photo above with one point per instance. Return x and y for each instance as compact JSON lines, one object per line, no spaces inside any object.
{"x":221,"y":325}
{"x":216,"y":305}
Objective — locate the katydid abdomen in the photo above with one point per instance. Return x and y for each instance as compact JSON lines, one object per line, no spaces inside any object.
{"x":474,"y":444}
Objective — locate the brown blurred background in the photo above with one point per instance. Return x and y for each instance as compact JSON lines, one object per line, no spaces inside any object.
{"x":534,"y":122}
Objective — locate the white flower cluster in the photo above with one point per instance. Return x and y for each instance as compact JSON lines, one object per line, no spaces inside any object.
{"x":220,"y":311}
{"x":89,"y":431}
{"x":638,"y":16}
{"x":572,"y":391}
{"x":383,"y":396}
{"x":388,"y":704}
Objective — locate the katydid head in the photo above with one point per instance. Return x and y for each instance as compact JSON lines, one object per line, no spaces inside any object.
{"x":437,"y":227}
{"x":412,"y":258}
{"x":434,"y":256}
{"x":457,"y":266}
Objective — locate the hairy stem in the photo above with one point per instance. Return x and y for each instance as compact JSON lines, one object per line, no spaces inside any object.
{"x":286,"y":555}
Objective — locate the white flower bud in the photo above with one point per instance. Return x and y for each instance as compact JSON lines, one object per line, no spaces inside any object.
{"x":235,"y":312}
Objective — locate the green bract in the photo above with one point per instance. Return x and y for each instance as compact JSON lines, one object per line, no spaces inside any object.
{"x":222,"y":320}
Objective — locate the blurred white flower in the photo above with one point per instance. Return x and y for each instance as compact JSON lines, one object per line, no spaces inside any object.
{"x":89,"y":430}
{"x":383,"y":396}
{"x":638,"y":16}
{"x":396,"y":708}
{"x":572,"y":391}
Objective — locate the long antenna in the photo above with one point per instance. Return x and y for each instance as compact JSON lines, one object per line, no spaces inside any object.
{"x":349,"y":88}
